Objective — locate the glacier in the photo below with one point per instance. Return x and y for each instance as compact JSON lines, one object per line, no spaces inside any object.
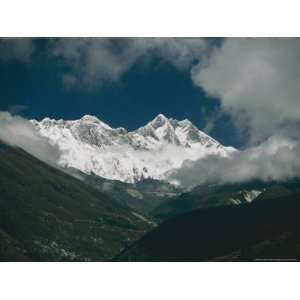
{"x":151,"y":151}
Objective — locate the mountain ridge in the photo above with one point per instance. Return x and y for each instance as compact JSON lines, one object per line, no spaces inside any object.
{"x":266,"y":228}
{"x":151,"y":151}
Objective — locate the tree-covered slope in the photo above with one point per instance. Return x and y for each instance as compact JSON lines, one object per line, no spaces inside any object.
{"x":48,"y":215}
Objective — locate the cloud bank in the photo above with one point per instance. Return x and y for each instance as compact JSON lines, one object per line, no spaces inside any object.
{"x":19,"y":132}
{"x":277,"y":159}
{"x":257,"y":82}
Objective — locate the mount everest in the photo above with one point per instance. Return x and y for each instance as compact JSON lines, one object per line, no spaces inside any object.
{"x":152,"y":151}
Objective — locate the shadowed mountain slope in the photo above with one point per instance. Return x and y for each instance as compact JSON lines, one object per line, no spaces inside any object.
{"x":47,"y":215}
{"x":267,"y":228}
{"x":205,"y":196}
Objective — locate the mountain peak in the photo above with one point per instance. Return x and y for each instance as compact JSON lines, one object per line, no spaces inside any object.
{"x":93,"y":119}
{"x":161,"y":116}
{"x":151,"y":151}
{"x":159,"y":121}
{"x":89,"y":118}
{"x":185,"y":122}
{"x":45,"y":120}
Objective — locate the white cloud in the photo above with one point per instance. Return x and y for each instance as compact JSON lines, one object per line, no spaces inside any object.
{"x":93,"y":62}
{"x":257,"y":82}
{"x":19,"y":132}
{"x":276,"y":159}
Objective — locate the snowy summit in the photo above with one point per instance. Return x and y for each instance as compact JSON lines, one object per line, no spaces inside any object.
{"x":151,"y":151}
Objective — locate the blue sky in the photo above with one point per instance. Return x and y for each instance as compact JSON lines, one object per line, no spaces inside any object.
{"x":34,"y":88}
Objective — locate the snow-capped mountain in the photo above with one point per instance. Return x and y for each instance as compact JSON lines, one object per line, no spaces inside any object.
{"x":151,"y":151}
